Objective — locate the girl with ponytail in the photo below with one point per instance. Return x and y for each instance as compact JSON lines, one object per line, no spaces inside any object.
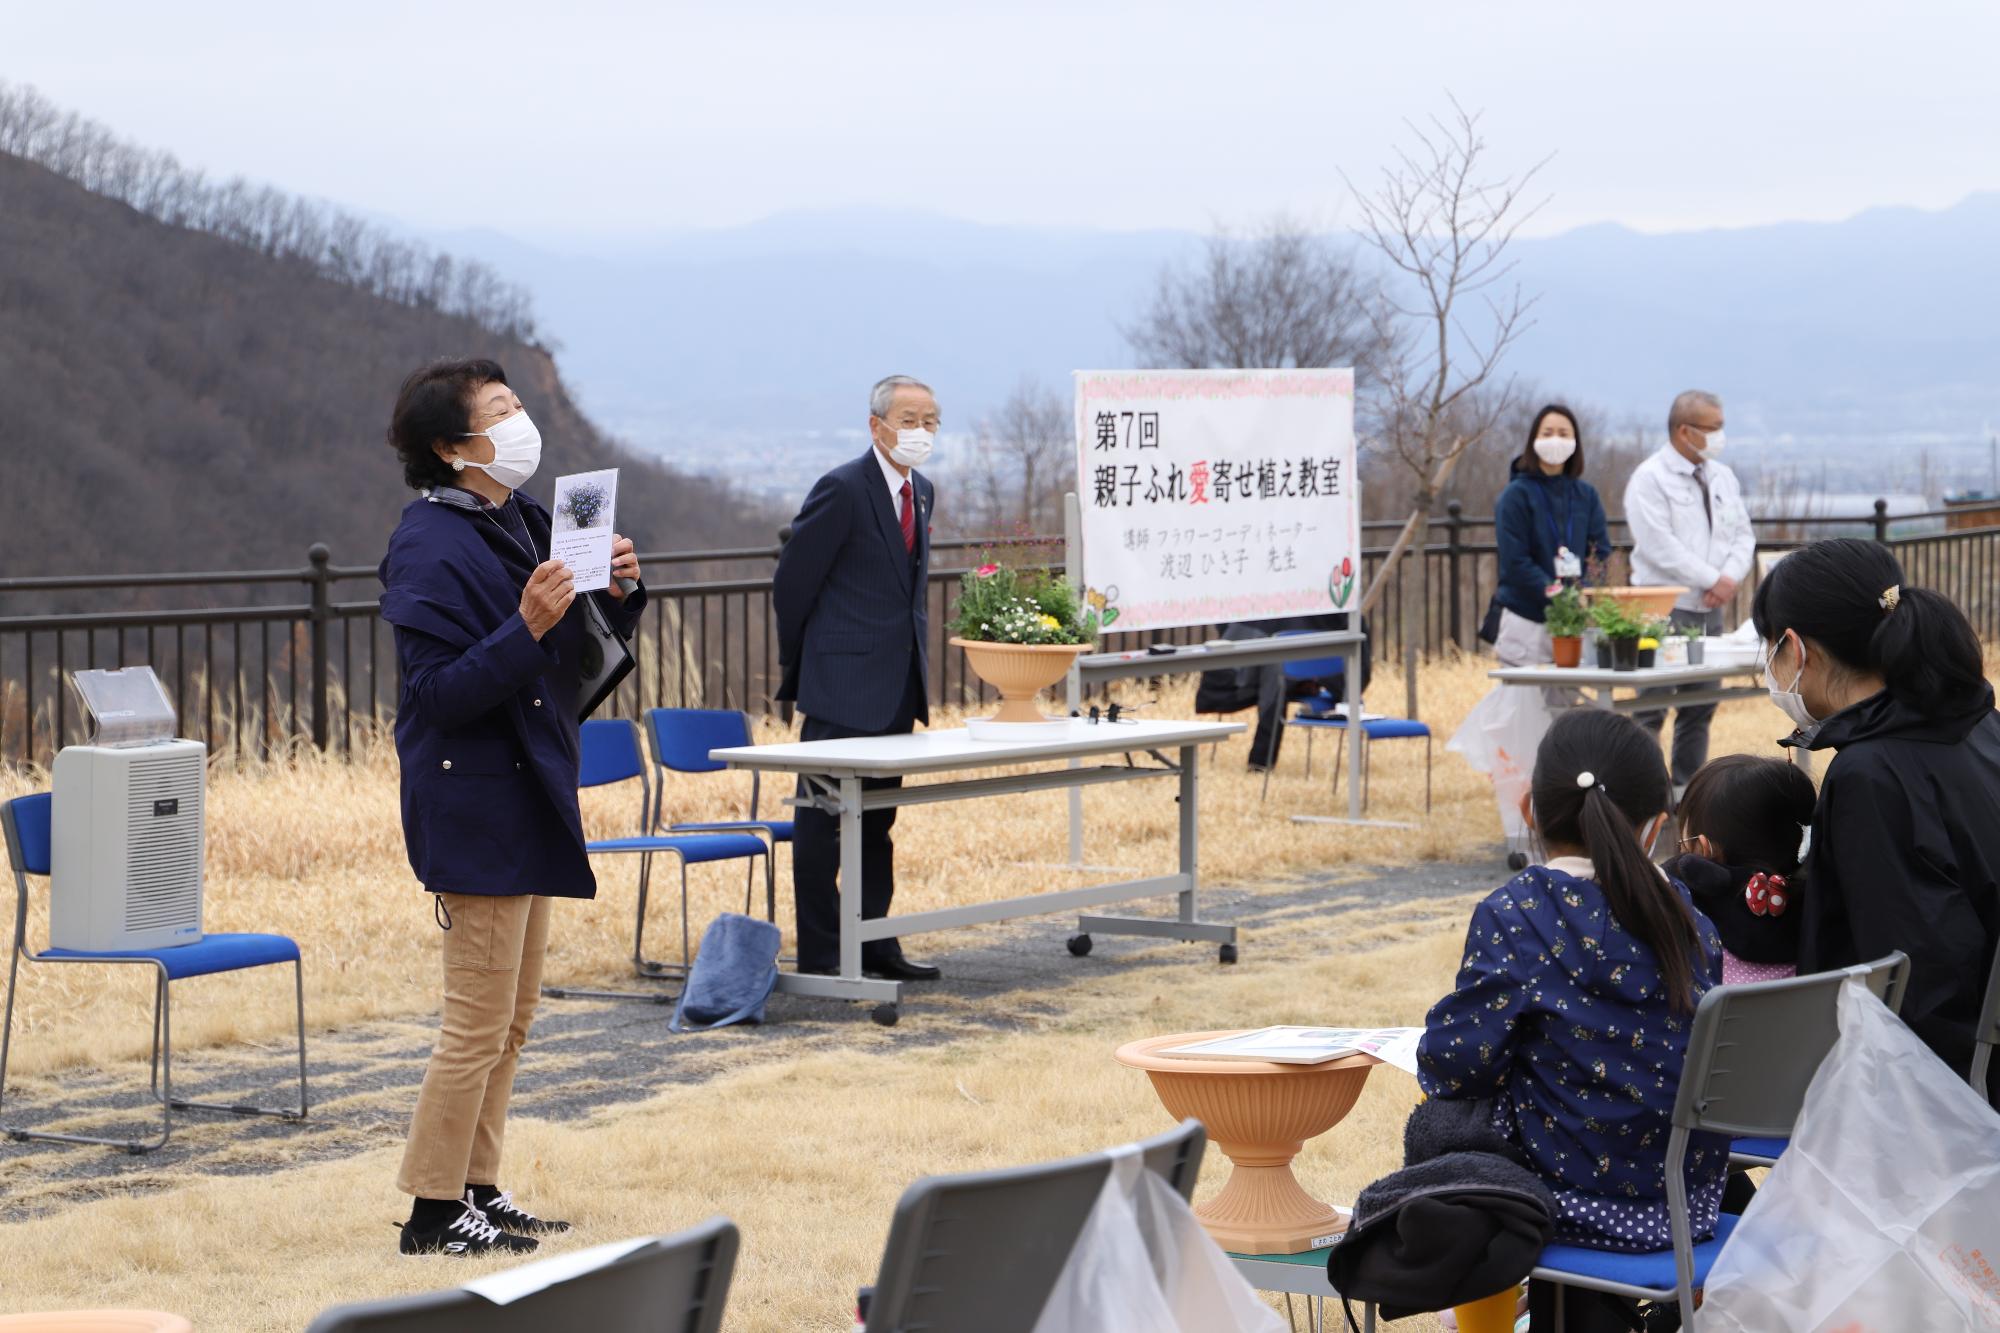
{"x":1576,"y":994}
{"x":1906,"y":839}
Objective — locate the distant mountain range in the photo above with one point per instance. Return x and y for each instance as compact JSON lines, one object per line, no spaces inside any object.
{"x":1828,"y":341}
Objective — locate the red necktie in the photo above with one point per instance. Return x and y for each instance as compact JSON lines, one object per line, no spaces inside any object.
{"x":909,"y":521}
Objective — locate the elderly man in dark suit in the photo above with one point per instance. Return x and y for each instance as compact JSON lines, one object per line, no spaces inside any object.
{"x":849,"y":597}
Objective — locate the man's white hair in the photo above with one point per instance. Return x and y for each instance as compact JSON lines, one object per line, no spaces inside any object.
{"x":884,"y":393}
{"x":1686,"y":405}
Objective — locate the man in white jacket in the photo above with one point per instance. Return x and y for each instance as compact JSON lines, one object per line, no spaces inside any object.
{"x":1690,"y":527}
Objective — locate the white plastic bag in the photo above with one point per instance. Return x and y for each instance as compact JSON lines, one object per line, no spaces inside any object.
{"x":1143,"y":1264}
{"x":1883,"y":1216}
{"x":1499,"y":737}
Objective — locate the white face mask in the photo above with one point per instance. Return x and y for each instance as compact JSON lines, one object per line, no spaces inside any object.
{"x":1554,"y":450}
{"x":1789,"y":700}
{"x":912,"y":447}
{"x":517,"y":452}
{"x":1712,"y":443}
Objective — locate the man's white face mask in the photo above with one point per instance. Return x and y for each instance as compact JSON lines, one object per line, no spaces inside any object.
{"x":1712,"y":442}
{"x":913,"y":447}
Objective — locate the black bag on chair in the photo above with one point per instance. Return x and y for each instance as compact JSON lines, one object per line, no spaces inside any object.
{"x":1489,"y":627}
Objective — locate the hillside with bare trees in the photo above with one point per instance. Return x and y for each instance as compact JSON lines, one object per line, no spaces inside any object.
{"x":199,"y":377}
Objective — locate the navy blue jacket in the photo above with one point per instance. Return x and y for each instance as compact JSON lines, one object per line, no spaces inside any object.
{"x":1561,"y":1016}
{"x":850,"y":600}
{"x":1536,"y":514}
{"x":486,"y":725}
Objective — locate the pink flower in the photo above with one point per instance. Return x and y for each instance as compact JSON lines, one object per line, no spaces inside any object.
{"x":986,"y":571}
{"x":1553,"y":589}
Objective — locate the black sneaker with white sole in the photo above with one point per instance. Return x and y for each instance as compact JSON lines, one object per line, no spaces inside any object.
{"x":498,"y":1205}
{"x":469,"y":1233}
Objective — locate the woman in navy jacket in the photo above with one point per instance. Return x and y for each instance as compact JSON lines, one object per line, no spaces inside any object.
{"x":1549,"y":526}
{"x":488,"y":641}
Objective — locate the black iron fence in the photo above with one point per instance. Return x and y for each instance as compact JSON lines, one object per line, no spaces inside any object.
{"x":317,"y":667}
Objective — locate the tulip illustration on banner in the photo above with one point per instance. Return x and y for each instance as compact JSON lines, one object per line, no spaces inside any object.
{"x":1104,"y":603}
{"x":1340,"y":583}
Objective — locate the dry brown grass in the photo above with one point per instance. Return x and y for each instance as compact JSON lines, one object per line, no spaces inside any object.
{"x":312,"y":847}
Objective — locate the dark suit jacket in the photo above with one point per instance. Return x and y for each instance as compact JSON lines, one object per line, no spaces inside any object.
{"x":486,"y":727}
{"x":850,"y":600}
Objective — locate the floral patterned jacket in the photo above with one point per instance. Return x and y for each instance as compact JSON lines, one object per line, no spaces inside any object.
{"x":1560,"y":1016}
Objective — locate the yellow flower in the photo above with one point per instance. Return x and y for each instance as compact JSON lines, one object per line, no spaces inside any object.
{"x":1050,"y":622}
{"x":1648,"y":643}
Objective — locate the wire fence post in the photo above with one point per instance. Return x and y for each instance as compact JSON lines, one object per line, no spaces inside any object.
{"x":319,"y":615}
{"x":1454,"y":514}
{"x":1882,"y":521}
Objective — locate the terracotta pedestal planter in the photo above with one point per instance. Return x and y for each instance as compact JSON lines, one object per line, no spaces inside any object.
{"x":1259,"y":1115}
{"x":1638,"y":601}
{"x":1020,"y":671}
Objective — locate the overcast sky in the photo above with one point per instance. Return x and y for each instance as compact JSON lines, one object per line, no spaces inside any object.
{"x":565,"y":115}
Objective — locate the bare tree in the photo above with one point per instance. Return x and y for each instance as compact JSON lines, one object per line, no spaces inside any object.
{"x":1282,"y":298}
{"x":1444,"y":226}
{"x":1023,"y":456}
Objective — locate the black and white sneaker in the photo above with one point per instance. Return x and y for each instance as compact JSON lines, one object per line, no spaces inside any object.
{"x":467,"y":1234}
{"x":501,"y":1212}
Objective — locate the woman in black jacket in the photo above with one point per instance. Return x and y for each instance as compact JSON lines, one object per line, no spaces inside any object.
{"x":1906,"y":840}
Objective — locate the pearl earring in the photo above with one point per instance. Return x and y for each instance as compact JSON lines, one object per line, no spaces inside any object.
{"x":458,"y":465}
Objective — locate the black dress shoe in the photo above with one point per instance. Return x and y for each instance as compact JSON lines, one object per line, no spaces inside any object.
{"x":902,"y":969}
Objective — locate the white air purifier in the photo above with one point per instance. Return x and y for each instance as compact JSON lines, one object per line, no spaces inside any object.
{"x":126,"y":823}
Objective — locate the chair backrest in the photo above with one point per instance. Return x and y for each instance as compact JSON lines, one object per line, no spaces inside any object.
{"x":1753,"y":1049}
{"x":672,"y":1283}
{"x":610,"y":752}
{"x":1987,"y":1035}
{"x":1311,"y":668}
{"x":26,"y":821}
{"x":979,"y":1253}
{"x":682,"y":737}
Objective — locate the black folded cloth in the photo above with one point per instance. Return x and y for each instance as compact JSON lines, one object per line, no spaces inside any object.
{"x":1464,"y":1218}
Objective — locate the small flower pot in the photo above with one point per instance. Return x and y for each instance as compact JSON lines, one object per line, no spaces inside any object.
{"x":1625,"y":654}
{"x":1648,"y":658}
{"x":1604,"y":654}
{"x":1568,"y":650}
{"x":1695,"y":647}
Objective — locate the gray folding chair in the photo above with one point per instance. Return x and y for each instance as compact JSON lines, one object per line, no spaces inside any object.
{"x":671,"y":1284}
{"x":1751,"y":1053}
{"x":980,"y":1253}
{"x":1812,"y":1039}
{"x":1987,"y":1035}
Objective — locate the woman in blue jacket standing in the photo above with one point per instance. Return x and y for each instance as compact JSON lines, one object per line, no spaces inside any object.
{"x":488,"y":642}
{"x":1549,"y":526}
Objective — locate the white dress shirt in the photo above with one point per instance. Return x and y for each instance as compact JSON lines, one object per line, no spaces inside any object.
{"x":895,"y":480}
{"x":1673,"y":539}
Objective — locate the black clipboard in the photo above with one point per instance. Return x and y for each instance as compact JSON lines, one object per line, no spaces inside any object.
{"x":607,"y":659}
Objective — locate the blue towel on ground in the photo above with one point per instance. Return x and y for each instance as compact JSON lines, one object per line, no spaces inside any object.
{"x":733,"y":974}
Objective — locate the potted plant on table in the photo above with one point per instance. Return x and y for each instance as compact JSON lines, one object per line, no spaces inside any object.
{"x":1621,"y":630}
{"x":1020,"y":629}
{"x":1693,"y":635}
{"x":1566,"y":619}
{"x":1653,"y":631}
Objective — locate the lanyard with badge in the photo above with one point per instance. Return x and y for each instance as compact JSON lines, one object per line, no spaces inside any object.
{"x":1568,"y":564}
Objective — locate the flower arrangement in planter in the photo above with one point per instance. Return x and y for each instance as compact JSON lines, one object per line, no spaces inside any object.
{"x":1566,"y":619}
{"x":1020,"y":629}
{"x":1693,"y":635}
{"x":1620,"y":628}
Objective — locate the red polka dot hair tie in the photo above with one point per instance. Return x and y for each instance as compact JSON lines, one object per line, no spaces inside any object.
{"x":1766,"y":895}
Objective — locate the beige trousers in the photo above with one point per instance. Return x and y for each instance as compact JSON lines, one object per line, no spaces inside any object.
{"x":492,"y":979}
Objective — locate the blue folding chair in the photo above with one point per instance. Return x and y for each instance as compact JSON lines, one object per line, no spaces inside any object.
{"x":26,"y":823}
{"x":681,"y":739}
{"x":1320,"y":714}
{"x":611,"y":754}
{"x":1746,"y":1073}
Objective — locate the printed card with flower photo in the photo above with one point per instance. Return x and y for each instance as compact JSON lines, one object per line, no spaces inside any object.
{"x":585,"y":507}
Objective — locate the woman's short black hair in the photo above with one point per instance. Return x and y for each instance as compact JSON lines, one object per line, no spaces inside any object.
{"x":435,"y":403}
{"x":1753,"y":808}
{"x":1837,"y":593}
{"x":1573,"y":466}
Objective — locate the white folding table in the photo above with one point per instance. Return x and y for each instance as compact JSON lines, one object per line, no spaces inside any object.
{"x":833,"y":772}
{"x":1601,"y":681}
